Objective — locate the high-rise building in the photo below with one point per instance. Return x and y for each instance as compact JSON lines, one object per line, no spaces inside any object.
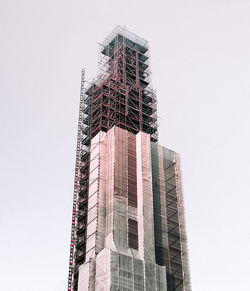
{"x":128,"y":224}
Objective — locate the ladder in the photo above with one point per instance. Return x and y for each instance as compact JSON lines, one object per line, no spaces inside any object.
{"x":72,"y":263}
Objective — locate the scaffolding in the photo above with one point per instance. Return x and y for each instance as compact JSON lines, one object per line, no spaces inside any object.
{"x":121,"y":95}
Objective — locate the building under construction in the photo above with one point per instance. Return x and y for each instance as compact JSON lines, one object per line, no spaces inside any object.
{"x":128,"y":222}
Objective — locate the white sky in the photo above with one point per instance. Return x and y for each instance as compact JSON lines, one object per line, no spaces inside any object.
{"x":201,"y":70}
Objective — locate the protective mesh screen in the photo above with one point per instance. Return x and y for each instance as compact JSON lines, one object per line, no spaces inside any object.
{"x":132,"y":176}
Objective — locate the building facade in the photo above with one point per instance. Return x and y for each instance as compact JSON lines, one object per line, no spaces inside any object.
{"x":128,"y":222}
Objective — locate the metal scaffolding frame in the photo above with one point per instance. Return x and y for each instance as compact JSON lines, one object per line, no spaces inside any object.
{"x":121,"y":95}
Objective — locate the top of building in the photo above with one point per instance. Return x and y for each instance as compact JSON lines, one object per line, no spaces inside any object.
{"x":127,"y":34}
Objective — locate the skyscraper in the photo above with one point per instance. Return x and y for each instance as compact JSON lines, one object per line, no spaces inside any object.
{"x":128,"y":223}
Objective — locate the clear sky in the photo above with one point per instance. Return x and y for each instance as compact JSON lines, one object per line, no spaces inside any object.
{"x":201,"y":70}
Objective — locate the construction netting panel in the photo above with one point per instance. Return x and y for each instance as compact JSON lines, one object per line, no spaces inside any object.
{"x":159,"y":198}
{"x":83,"y":277}
{"x":125,"y":273}
{"x":145,"y":216}
{"x":103,"y":274}
{"x":161,"y":282}
{"x":96,"y":198}
{"x":86,"y":279}
{"x":145,"y":211}
{"x":116,"y":271}
{"x":140,"y":200}
{"x":101,"y":193}
{"x":132,"y":174}
{"x":92,"y":274}
{"x":120,"y":227}
{"x":138,"y":275}
{"x":120,"y":162}
{"x":150,"y":276}
{"x":175,"y":251}
{"x":110,"y":169}
{"x":132,"y":203}
{"x":93,"y":198}
{"x":178,"y":276}
{"x":114,"y":282}
{"x":185,"y":259}
{"x":169,"y":222}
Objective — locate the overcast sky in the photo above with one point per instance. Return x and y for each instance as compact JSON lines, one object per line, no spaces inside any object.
{"x":200,"y":60}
